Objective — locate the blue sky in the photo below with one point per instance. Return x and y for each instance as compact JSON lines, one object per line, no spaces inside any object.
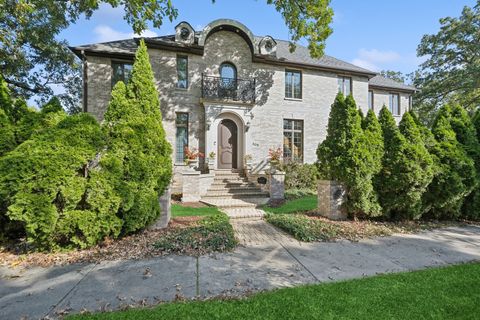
{"x":375,"y":34}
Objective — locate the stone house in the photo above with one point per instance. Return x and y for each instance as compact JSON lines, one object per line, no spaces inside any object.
{"x":227,"y":91}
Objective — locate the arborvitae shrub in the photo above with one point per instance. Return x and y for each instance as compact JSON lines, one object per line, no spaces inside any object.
{"x":344,"y":156}
{"x":137,"y":148}
{"x":406,"y":168}
{"x":374,"y":137}
{"x":466,"y":134}
{"x":456,"y":177}
{"x":49,"y":186}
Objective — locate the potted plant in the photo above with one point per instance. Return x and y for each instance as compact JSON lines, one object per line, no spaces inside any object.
{"x":191,"y":157}
{"x":211,"y":160}
{"x":248,"y":161}
{"x":275,"y":156}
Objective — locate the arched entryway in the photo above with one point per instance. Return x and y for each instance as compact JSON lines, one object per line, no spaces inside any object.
{"x":227,"y":144}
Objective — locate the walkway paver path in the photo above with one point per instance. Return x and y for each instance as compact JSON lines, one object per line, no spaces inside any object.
{"x":255,"y":265}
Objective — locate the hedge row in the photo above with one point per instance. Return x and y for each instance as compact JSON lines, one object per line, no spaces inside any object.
{"x":406,"y":171}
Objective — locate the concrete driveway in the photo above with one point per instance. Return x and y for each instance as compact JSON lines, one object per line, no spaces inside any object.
{"x":267,"y":259}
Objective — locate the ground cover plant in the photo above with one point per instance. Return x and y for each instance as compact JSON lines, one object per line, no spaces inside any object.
{"x":443,"y":293}
{"x":209,"y":234}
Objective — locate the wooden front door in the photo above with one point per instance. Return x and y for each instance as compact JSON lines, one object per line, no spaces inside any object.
{"x":227,"y":145}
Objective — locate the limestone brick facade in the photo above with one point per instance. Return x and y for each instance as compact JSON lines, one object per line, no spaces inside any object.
{"x":260,"y":124}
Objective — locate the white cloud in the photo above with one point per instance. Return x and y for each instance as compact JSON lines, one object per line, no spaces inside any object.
{"x":374,"y":59}
{"x":105,"y":33}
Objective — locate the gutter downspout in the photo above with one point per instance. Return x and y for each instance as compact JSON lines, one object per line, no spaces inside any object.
{"x":85,"y":81}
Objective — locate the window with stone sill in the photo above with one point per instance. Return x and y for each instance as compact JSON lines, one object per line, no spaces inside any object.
{"x":345,"y":85}
{"x":293,"y":84}
{"x":394,"y":104}
{"x":182,"y":72}
{"x":181,"y":136}
{"x":292,"y":140}
{"x":121,"y":71}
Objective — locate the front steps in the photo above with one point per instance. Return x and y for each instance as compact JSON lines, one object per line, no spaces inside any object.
{"x":233,"y":193}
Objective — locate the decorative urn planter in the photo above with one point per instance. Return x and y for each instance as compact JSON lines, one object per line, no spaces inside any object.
{"x":192,"y":164}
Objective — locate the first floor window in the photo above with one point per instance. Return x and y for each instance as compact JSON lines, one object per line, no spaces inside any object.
{"x":182,"y":72}
{"x":181,"y":137}
{"x":394,"y":104}
{"x":293,"y":140}
{"x":345,"y":85}
{"x":293,"y":84}
{"x":370,"y":100}
{"x":410,"y":103}
{"x":121,"y":72}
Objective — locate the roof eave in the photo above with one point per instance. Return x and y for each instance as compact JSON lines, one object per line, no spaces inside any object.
{"x":373,"y":86}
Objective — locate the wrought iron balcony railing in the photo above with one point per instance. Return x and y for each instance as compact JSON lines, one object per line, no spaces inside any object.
{"x":228,"y":89}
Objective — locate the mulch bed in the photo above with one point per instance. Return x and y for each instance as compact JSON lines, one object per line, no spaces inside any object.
{"x":136,"y":246}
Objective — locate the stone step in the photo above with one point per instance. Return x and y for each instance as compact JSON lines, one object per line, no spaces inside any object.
{"x":229,"y":179}
{"x":228,"y":195}
{"x":233,"y":184}
{"x":228,"y":174}
{"x":245,"y":188}
{"x":236,"y":191}
{"x":235,"y":203}
{"x":244,"y":213}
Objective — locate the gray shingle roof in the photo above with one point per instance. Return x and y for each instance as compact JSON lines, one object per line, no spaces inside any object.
{"x":300,"y":56}
{"x":380,"y":81}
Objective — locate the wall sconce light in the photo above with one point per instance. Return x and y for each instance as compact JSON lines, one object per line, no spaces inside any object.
{"x":208,"y":122}
{"x":247,"y":125}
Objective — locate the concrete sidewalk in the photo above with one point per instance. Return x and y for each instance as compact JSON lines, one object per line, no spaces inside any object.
{"x":38,"y":292}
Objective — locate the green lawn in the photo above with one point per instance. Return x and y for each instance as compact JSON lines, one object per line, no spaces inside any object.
{"x":445,"y":293}
{"x":294,"y":206}
{"x":181,"y":211}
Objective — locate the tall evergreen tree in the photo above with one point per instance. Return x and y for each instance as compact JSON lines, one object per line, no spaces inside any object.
{"x":137,"y":145}
{"x":456,"y":177}
{"x":345,"y":156}
{"x":406,"y":168}
{"x":374,"y":137}
{"x":466,"y":134}
{"x":476,"y":123}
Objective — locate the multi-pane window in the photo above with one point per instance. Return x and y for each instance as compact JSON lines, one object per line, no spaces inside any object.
{"x":345,"y":85}
{"x":121,"y":72}
{"x":181,"y":138}
{"x":293,"y":84}
{"x":394,"y":104}
{"x":182,"y":72}
{"x":410,"y":103}
{"x":370,"y":100}
{"x":292,"y":140}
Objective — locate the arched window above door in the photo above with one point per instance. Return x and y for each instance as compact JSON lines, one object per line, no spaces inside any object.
{"x":228,"y":70}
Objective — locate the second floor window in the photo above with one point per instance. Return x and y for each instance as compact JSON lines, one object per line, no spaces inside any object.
{"x":182,"y":72}
{"x":370,"y":100}
{"x":394,"y":104}
{"x":121,"y":72}
{"x":293,"y":84}
{"x":345,"y":85}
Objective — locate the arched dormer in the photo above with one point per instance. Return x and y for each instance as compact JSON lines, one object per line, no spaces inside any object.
{"x":184,"y":33}
{"x":229,"y":25}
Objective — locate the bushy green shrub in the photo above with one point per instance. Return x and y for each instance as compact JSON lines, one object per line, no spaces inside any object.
{"x":374,"y":138}
{"x":137,"y":149}
{"x":344,"y":156}
{"x":7,"y":134}
{"x":51,"y":190}
{"x":300,"y":176}
{"x":70,"y":183}
{"x":407,"y":168}
{"x":466,"y":134}
{"x":456,"y":177}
